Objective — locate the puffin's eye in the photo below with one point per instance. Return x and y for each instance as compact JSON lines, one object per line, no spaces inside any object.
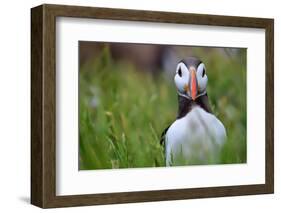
{"x":179,"y":72}
{"x":203,"y":72}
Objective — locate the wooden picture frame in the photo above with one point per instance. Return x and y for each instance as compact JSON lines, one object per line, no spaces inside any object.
{"x":43,"y":105}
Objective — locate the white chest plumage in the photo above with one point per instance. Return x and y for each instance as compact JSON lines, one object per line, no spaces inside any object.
{"x":196,"y":138}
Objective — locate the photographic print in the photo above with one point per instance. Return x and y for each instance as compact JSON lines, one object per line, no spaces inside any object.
{"x":140,"y":96}
{"x":150,"y":105}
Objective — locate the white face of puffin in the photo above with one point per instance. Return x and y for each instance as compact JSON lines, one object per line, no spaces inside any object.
{"x":191,"y":83}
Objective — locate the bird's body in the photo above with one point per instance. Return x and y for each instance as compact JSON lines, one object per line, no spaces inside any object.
{"x":197,"y":136}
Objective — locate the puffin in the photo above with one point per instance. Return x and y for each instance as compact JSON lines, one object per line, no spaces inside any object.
{"x":197,"y":136}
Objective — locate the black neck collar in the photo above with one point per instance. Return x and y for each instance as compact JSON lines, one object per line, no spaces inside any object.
{"x":185,"y":105}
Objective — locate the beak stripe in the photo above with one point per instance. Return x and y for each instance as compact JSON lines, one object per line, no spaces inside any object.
{"x":193,"y":85}
{"x":186,"y":88}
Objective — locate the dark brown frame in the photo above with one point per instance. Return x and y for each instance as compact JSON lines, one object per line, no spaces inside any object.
{"x":43,"y":105}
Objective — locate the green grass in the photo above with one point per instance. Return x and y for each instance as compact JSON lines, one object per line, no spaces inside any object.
{"x":122,"y":111}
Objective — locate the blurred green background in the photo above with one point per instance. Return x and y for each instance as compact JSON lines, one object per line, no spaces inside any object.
{"x":127,"y":98}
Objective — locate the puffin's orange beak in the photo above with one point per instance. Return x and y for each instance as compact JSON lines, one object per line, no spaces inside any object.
{"x":193,"y":84}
